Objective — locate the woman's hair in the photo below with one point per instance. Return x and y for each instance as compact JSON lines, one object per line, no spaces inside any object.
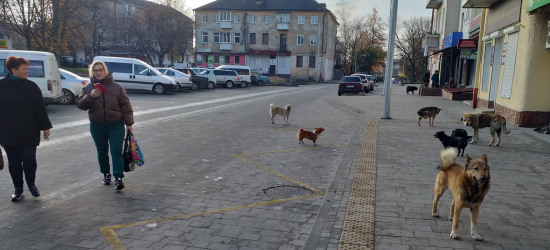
{"x":14,"y":62}
{"x":91,"y":69}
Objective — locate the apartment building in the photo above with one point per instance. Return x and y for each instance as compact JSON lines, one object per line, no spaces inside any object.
{"x":6,"y":33}
{"x":276,"y":37}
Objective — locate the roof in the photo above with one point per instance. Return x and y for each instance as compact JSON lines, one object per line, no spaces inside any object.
{"x":281,"y":5}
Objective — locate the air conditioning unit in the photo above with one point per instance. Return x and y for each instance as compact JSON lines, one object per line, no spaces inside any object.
{"x":548,"y":37}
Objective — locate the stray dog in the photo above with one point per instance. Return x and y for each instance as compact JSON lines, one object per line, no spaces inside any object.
{"x":449,"y":141}
{"x":411,"y":88}
{"x":460,"y":133}
{"x":282,"y":111}
{"x":428,"y":112}
{"x":543,"y":130}
{"x":309,"y":135}
{"x":469,"y":185}
{"x":496,"y":122}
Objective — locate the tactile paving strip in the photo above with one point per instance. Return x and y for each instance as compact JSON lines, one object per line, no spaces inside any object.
{"x":358,"y":229}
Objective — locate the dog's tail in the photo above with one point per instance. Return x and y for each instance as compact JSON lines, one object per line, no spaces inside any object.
{"x":448,"y":158}
{"x":503,"y":126}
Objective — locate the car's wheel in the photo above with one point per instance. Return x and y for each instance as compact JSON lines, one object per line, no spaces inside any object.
{"x":178,"y":87}
{"x":159,"y":89}
{"x":210,"y":85}
{"x":367,"y":89}
{"x":260,"y":83}
{"x":229,"y":84}
{"x":195,"y":86}
{"x":243,"y":84}
{"x":339,"y":94}
{"x":371,"y":88}
{"x":67,"y":98}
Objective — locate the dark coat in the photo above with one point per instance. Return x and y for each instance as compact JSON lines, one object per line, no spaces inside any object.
{"x":113,"y":106}
{"x":22,"y":113}
{"x":426,"y":77}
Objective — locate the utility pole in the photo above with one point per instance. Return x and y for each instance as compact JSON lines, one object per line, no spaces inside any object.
{"x":389,"y":60}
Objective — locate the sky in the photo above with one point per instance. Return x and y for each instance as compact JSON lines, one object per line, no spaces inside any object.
{"x":406,"y":8}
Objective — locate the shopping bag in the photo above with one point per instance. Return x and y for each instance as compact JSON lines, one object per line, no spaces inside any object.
{"x":136,"y":152}
{"x":129,"y":164}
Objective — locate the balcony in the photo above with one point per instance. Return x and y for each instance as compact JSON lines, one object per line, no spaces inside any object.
{"x":283,"y":26}
{"x":225,"y":25}
{"x":430,"y":43}
{"x":225,"y":46}
{"x":479,"y":3}
{"x":434,"y":4}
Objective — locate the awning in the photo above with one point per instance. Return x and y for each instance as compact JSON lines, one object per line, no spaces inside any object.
{"x":434,"y":4}
{"x":479,"y":3}
{"x":444,"y":50}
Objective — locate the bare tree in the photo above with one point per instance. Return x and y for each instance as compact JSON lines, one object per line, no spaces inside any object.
{"x":21,"y":15}
{"x":410,"y":33}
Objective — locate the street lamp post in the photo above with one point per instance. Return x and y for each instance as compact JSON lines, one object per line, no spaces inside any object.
{"x":389,"y":60}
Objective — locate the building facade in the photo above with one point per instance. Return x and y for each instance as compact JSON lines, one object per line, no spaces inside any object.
{"x":275,"y":37}
{"x":6,"y":34}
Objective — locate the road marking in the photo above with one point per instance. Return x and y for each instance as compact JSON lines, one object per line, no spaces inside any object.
{"x":116,"y":243}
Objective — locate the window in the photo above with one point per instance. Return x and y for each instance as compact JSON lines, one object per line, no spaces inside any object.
{"x":265,"y":38}
{"x":237,"y":18}
{"x":225,"y":37}
{"x":252,"y":19}
{"x":312,"y":62}
{"x":139,"y":70}
{"x":216,"y":59}
{"x":301,"y":19}
{"x":509,"y":65}
{"x":205,"y":37}
{"x":237,"y":60}
{"x":283,"y":18}
{"x":252,"y":38}
{"x":314,"y":20}
{"x":313,"y":40}
{"x":225,"y":16}
{"x":36,"y":69}
{"x":121,"y":68}
{"x":204,"y":18}
{"x":216,"y":37}
{"x":266,"y":19}
{"x":300,"y":39}
{"x":216,"y":19}
{"x":226,"y":60}
{"x":299,"y":61}
{"x":124,"y":8}
{"x":237,"y":38}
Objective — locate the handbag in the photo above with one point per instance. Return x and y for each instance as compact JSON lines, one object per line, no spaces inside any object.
{"x":136,"y":151}
{"x":1,"y":160}
{"x":129,"y":164}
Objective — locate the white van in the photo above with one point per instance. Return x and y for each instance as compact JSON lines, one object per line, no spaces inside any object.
{"x":43,"y":71}
{"x":134,"y":74}
{"x":243,"y":71}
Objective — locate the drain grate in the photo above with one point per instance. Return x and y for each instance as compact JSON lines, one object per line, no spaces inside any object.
{"x":285,"y":192}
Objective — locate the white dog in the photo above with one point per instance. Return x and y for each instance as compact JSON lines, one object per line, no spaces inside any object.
{"x":283,"y":111}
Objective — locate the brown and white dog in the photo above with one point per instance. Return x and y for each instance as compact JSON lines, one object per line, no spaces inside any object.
{"x":495,"y":122}
{"x":469,"y":185}
{"x":282,"y":111}
{"x":309,"y":135}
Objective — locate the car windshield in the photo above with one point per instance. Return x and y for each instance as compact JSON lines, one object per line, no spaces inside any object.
{"x":362,"y":76}
{"x":351,"y":79}
{"x":205,"y":72}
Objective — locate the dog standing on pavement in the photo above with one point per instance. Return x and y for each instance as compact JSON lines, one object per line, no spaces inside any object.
{"x":469,"y":185}
{"x":450,"y":141}
{"x":495,"y":122}
{"x":309,"y":135}
{"x":411,"y":88}
{"x":428,"y":112}
{"x":282,"y":111}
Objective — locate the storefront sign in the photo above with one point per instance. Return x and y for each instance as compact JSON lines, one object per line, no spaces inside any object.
{"x":502,"y":14}
{"x":3,"y":44}
{"x":210,"y":60}
{"x":535,"y":4}
{"x":452,"y":39}
{"x":204,"y":50}
{"x":475,"y":24}
{"x":199,"y":58}
{"x":468,"y":54}
{"x":467,"y":44}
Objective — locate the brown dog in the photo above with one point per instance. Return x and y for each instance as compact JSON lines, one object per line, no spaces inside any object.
{"x":428,"y":112}
{"x":309,"y":135}
{"x":469,"y":185}
{"x":476,"y":121}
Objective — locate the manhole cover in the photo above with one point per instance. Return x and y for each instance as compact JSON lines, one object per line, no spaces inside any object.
{"x":285,"y":192}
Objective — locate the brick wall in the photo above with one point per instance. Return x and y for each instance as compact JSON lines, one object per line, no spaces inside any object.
{"x":481,"y":103}
{"x":529,"y":119}
{"x":430,"y":92}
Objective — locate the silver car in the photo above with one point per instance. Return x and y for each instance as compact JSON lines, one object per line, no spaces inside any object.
{"x":71,"y":85}
{"x":228,"y":78}
{"x":183,"y":80}
{"x":368,"y":84}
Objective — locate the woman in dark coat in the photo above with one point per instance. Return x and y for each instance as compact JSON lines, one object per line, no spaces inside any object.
{"x":22,"y":117}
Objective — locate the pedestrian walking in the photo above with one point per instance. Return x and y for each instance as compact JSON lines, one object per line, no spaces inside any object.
{"x":426,"y":79}
{"x":435,"y":79}
{"x":109,"y":109}
{"x":22,"y":116}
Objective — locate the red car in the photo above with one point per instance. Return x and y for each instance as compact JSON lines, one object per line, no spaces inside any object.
{"x":350,"y":84}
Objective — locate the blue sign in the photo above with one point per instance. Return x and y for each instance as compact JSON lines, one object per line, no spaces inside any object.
{"x":452,"y":39}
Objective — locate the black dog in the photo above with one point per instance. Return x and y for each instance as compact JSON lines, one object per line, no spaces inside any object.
{"x":455,"y":142}
{"x":460,"y":133}
{"x":411,"y":88}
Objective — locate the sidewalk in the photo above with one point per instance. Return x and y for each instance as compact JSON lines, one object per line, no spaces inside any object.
{"x":514,"y":214}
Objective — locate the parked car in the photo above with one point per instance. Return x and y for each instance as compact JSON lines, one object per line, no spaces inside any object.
{"x":67,"y":61}
{"x":198,"y":70}
{"x":183,"y":80}
{"x":71,"y":84}
{"x":243,"y":71}
{"x":227,"y":78}
{"x":258,"y":79}
{"x":368,"y":85}
{"x":374,"y":79}
{"x":351,"y":84}
{"x":44,"y":71}
{"x":197,"y":81}
{"x":134,"y":74}
{"x":210,"y":74}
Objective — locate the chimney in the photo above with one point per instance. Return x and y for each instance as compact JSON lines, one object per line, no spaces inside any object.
{"x":259,"y":2}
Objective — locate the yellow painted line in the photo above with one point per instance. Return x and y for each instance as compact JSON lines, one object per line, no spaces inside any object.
{"x":112,"y":238}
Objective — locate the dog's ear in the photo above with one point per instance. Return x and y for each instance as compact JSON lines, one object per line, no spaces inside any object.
{"x":468,"y":159}
{"x":461,"y":119}
{"x":484,"y":157}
